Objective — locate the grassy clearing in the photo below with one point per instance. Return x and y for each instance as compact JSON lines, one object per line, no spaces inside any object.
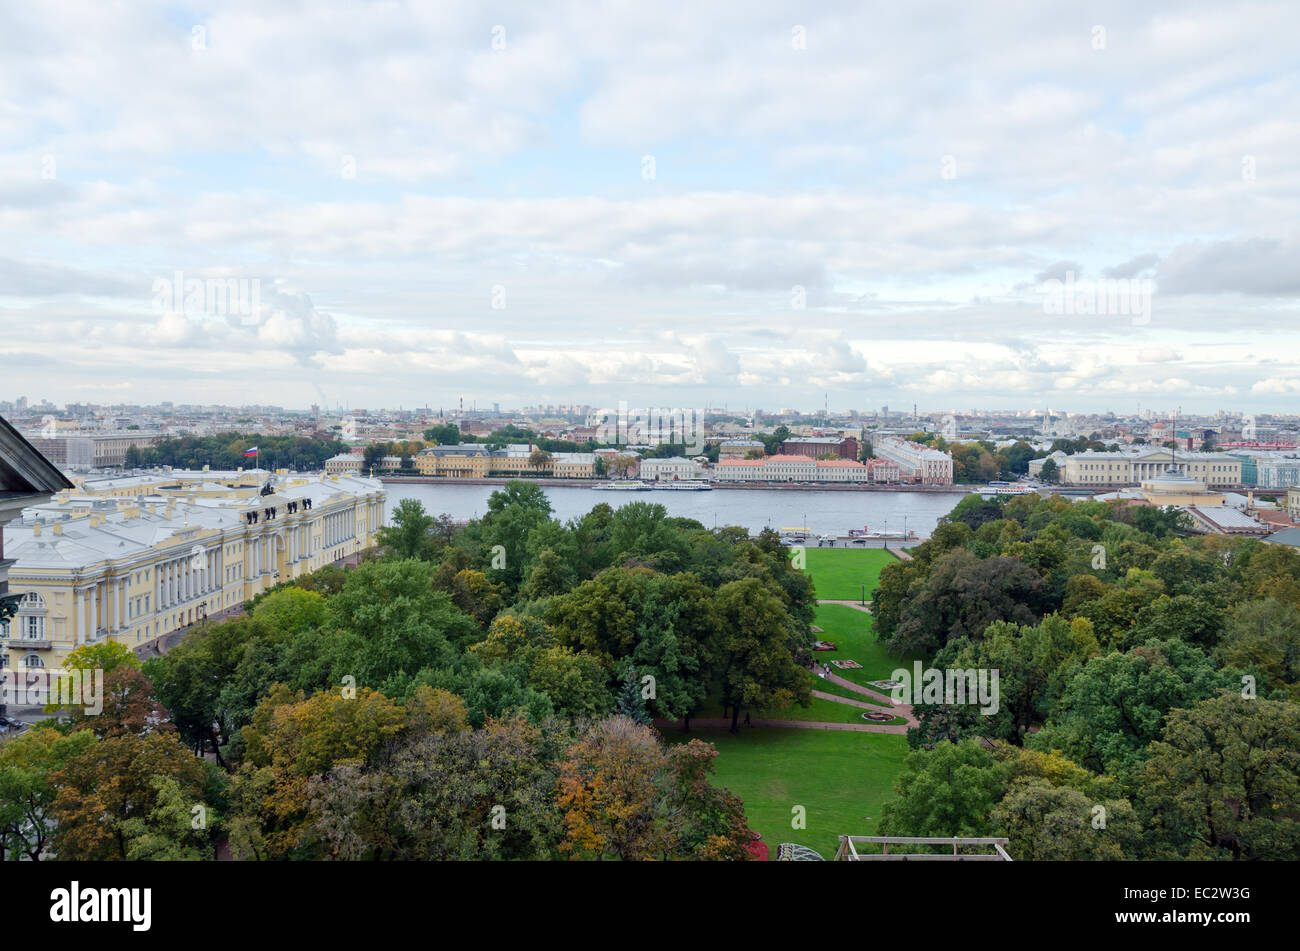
{"x":840,"y":778}
{"x":853,"y":634}
{"x":840,"y":574}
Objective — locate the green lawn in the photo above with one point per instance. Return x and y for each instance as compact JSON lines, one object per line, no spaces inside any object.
{"x":853,"y":634}
{"x":818,"y":710}
{"x":840,"y":573}
{"x":825,"y":686}
{"x":841,"y":779}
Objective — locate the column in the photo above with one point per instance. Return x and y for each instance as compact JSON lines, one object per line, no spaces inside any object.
{"x":78,"y":616}
{"x":94,"y":609}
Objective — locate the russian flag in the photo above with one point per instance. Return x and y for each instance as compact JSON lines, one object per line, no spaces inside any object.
{"x":250,"y":452}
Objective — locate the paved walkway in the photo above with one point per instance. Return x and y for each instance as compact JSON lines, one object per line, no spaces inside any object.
{"x":857,"y":605}
{"x":796,"y":724}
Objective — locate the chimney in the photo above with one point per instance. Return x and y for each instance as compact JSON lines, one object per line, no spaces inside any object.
{"x":58,"y":528}
{"x":36,"y":528}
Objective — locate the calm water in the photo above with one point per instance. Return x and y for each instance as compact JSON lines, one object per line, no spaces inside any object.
{"x":754,"y":509}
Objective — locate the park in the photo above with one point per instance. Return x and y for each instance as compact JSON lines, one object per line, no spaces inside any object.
{"x":829,"y":772}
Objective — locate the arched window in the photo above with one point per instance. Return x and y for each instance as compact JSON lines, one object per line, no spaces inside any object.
{"x":33,"y":661}
{"x":31,"y":617}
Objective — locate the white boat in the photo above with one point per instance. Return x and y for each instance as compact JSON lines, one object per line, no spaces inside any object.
{"x":1007,"y":488}
{"x":630,"y":485}
{"x":689,"y":485}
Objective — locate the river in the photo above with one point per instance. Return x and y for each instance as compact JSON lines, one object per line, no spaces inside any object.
{"x":833,"y":512}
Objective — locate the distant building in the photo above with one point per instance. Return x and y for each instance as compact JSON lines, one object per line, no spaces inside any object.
{"x":916,"y":463}
{"x":672,"y":469}
{"x":739,"y":448}
{"x":130,"y":560}
{"x":1133,"y":466}
{"x":343,"y":462}
{"x":845,"y":447}
{"x":81,"y":450}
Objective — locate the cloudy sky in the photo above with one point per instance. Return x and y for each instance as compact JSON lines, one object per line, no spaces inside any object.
{"x":749,"y":204}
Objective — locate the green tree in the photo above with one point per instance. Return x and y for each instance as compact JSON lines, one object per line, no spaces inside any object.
{"x":28,"y":763}
{"x":948,"y":791}
{"x":1115,"y":705}
{"x":754,"y":663}
{"x":1223,"y":782}
{"x":629,"y":702}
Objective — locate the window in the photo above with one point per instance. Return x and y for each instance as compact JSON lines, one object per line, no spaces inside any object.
{"x":33,"y":661}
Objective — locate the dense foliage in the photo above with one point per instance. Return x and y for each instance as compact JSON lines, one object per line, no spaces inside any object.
{"x":226,"y":451}
{"x":1148,"y":683}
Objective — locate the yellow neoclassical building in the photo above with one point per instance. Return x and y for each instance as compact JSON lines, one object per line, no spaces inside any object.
{"x":134,"y":559}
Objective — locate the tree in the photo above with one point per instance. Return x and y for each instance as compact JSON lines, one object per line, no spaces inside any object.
{"x":1056,"y":823}
{"x":408,"y":536}
{"x":1223,"y":781}
{"x":28,"y":763}
{"x":709,"y":823}
{"x":540,"y":460}
{"x":1115,"y":705}
{"x":575,"y":682}
{"x":112,"y":782}
{"x":1050,"y":473}
{"x":607,"y":792}
{"x":464,"y":795}
{"x":293,"y":739}
{"x":128,"y":706}
{"x":948,"y":791}
{"x":962,"y":596}
{"x":447,"y":434}
{"x":630,"y":703}
{"x":1265,"y":635}
{"x":549,"y":575}
{"x":171,"y":831}
{"x":755,"y":666}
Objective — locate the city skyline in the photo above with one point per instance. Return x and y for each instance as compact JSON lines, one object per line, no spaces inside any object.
{"x":574,"y":208}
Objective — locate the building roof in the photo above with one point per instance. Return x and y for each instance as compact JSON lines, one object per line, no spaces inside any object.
{"x":127,"y":528}
{"x":1288,"y":536}
{"x":23,"y":470}
{"x":1226,"y":520}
